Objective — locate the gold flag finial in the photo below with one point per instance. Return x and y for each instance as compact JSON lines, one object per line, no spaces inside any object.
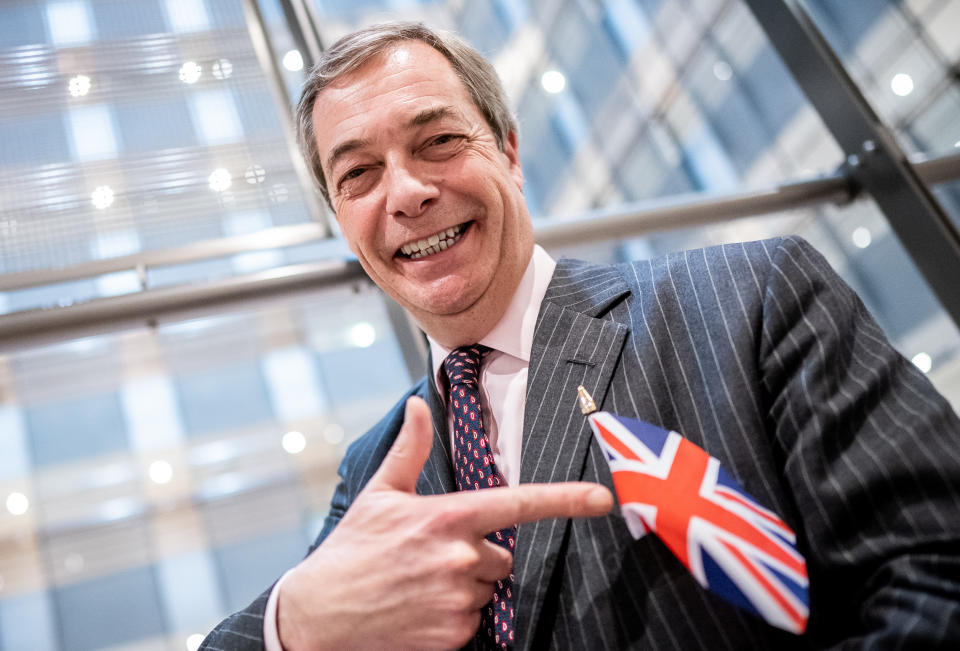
{"x":587,"y":405}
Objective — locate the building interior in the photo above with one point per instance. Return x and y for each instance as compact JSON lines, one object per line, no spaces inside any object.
{"x":183,"y":331}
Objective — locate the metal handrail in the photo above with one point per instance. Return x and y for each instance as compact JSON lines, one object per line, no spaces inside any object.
{"x":31,"y":326}
{"x":625,"y":219}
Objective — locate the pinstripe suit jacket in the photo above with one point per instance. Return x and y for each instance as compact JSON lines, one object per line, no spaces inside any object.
{"x":760,"y":354}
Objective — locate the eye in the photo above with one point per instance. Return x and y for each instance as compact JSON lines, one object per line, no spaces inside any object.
{"x":442,"y":139}
{"x":351,"y":175}
{"x":444,"y":144}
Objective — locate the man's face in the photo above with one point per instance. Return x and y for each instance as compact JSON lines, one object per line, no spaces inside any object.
{"x":424,"y":197}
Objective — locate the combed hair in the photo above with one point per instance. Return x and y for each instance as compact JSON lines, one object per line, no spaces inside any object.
{"x":353,"y":50}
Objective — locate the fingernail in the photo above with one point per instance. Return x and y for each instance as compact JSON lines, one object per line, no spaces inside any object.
{"x":599,"y":499}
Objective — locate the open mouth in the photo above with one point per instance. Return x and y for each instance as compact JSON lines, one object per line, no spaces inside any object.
{"x":434,"y":243}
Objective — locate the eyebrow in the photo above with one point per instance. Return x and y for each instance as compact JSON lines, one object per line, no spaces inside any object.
{"x":343,"y":149}
{"x":425,"y":116}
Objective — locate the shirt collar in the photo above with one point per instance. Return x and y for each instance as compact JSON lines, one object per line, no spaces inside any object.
{"x":513,"y":333}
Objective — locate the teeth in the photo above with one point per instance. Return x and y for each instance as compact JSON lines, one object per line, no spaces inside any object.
{"x":432,"y":244}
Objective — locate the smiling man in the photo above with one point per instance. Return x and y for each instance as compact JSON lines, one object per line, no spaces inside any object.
{"x":426,"y":195}
{"x":756,"y":352}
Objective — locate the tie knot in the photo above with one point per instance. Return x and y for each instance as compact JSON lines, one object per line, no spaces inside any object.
{"x":462,"y":365}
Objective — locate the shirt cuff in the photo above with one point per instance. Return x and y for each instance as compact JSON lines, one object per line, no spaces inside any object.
{"x":271,"y":633}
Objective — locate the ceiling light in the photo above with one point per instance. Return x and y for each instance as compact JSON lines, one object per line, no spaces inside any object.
{"x":73,"y":563}
{"x":79,"y":85}
{"x":161,"y":472}
{"x":363,"y":334}
{"x":294,"y":442}
{"x":190,"y":72}
{"x":220,"y":179}
{"x":722,"y":71}
{"x":901,"y":84}
{"x":17,"y":503}
{"x":553,"y":81}
{"x":861,"y":237}
{"x":333,"y":434}
{"x":293,"y":61}
{"x":102,"y":196}
{"x":923,"y":362}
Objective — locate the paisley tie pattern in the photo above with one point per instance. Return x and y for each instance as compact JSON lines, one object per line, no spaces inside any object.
{"x":475,"y":468}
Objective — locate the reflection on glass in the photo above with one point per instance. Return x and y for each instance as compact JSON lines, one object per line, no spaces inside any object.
{"x":222,"y":68}
{"x":254,"y":175}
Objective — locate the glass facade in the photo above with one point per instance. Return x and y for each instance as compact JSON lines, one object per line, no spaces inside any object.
{"x":158,"y":477}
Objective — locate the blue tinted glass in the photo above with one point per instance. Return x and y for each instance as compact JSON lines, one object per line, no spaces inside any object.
{"x":190,"y":589}
{"x":123,"y":19}
{"x":33,"y":140}
{"x":75,"y":428}
{"x":26,"y":622}
{"x":257,"y":112}
{"x":224,"y":397}
{"x":49,"y":295}
{"x":484,"y":27}
{"x":250,"y":566}
{"x":21,"y":24}
{"x":742,"y":132}
{"x":161,"y":124}
{"x":361,"y":374}
{"x":772,"y":89}
{"x":900,"y":297}
{"x":226,"y":13}
{"x":845,"y":23}
{"x":109,"y":610}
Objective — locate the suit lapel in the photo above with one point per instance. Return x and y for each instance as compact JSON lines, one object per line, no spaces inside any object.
{"x":572,"y":346}
{"x":437,"y":475}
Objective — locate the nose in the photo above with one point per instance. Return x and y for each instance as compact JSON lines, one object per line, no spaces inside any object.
{"x":410,"y":189}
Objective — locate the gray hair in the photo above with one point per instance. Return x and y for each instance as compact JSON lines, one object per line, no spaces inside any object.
{"x":353,"y":50}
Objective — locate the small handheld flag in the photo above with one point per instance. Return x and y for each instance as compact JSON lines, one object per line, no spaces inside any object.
{"x":734,"y":547}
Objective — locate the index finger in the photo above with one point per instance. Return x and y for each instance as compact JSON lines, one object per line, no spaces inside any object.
{"x":492,"y":509}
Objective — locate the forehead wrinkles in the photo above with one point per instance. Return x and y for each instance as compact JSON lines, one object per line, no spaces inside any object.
{"x":405,"y":78}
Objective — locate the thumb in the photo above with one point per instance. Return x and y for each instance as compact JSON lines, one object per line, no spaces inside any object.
{"x":404,"y":461}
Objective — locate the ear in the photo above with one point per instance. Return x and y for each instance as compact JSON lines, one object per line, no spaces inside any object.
{"x":512,"y":152}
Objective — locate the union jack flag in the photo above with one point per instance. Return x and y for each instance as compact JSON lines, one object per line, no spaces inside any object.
{"x":733,"y":546}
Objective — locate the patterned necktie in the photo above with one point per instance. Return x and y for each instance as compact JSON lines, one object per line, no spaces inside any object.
{"x":475,"y":469}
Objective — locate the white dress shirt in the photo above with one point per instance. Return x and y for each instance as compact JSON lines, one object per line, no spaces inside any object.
{"x":503,"y":388}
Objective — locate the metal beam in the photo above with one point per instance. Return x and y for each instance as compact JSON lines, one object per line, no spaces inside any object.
{"x":875,"y":160}
{"x":28,"y":327}
{"x":624,"y":220}
{"x":267,"y":58}
{"x":33,"y":327}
